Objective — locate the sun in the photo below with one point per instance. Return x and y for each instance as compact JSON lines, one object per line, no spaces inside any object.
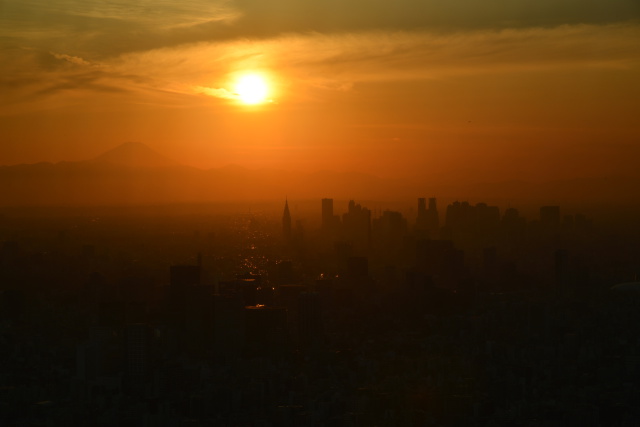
{"x":252,"y":89}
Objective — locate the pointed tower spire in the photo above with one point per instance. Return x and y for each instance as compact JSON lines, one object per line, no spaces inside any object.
{"x":286,"y":221}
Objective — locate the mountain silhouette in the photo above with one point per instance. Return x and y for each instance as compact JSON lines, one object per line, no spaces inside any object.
{"x":134,"y":174}
{"x":134,"y":155}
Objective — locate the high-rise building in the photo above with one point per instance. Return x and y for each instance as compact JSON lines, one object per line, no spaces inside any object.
{"x":357,"y":267}
{"x":137,"y":357}
{"x":427,"y":219}
{"x":183,"y":280}
{"x":389,"y":230}
{"x":357,"y":226}
{"x":286,"y":222}
{"x":433,"y":222}
{"x":422,"y":206}
{"x":309,"y":318}
{"x":421,"y":219}
{"x":266,"y":331}
{"x":182,"y":277}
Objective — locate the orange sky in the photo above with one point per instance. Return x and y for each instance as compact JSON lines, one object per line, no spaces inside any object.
{"x":494,"y":90}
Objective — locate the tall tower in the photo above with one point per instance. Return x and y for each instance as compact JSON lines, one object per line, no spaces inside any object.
{"x":421,"y":219}
{"x":433,"y":221}
{"x":427,"y":219}
{"x":286,"y":222}
{"x":422,"y":206}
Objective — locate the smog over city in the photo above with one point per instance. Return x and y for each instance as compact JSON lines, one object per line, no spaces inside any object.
{"x":338,"y":213}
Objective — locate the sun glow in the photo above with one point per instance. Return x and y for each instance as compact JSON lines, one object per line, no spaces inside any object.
{"x":252,"y":89}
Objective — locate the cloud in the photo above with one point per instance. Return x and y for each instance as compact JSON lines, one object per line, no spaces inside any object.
{"x":104,"y":28}
{"x":101,"y":28}
{"x":158,"y":13}
{"x":303,"y":66}
{"x":73,"y":59}
{"x":359,"y":15}
{"x":216,"y":92}
{"x":338,"y":61}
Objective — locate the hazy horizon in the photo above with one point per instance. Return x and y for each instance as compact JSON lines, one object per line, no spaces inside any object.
{"x":133,"y":174}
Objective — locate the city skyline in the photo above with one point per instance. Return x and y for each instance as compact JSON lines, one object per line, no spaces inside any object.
{"x":471,"y":317}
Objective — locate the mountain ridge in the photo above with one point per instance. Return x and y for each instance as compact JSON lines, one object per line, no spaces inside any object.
{"x":134,"y":155}
{"x":136,"y":174}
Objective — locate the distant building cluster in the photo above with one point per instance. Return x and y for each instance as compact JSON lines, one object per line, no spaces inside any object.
{"x":472,"y":317}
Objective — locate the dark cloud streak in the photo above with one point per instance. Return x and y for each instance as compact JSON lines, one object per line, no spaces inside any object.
{"x":262,"y":20}
{"x":95,"y":35}
{"x":280,"y":16}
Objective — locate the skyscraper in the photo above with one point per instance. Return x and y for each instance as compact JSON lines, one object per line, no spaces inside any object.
{"x":421,"y":220}
{"x":428,"y":219}
{"x":286,"y":222}
{"x":422,"y":205}
{"x":433,"y":222}
{"x":357,"y":225}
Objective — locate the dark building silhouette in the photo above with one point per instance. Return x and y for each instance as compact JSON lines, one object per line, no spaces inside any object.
{"x":286,"y":222}
{"x":182,"y":279}
{"x":183,"y":276}
{"x":428,"y":219}
{"x":137,"y":354}
{"x":432,"y":215}
{"x":513,"y":228}
{"x":490,"y":261}
{"x":249,"y":286}
{"x":561,"y":269}
{"x":459,"y":215}
{"x":284,"y":273}
{"x":421,"y":219}
{"x":422,"y":206}
{"x":440,"y":259}
{"x":184,"y":284}
{"x":266,"y":330}
{"x":389,"y":230}
{"x":357,"y":267}
{"x":476,"y":225}
{"x":198,"y":320}
{"x":357,"y":226}
{"x":100,"y":354}
{"x":487,"y":217}
{"x":309,"y":318}
{"x":357,"y":280}
{"x":228,"y":324}
{"x":287,"y":297}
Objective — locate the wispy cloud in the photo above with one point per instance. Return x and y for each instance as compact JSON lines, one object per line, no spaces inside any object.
{"x":102,"y":28}
{"x":216,"y":92}
{"x":74,"y":60}
{"x":159,"y":13}
{"x":302,"y":65}
{"x":338,"y":61}
{"x":456,"y":15}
